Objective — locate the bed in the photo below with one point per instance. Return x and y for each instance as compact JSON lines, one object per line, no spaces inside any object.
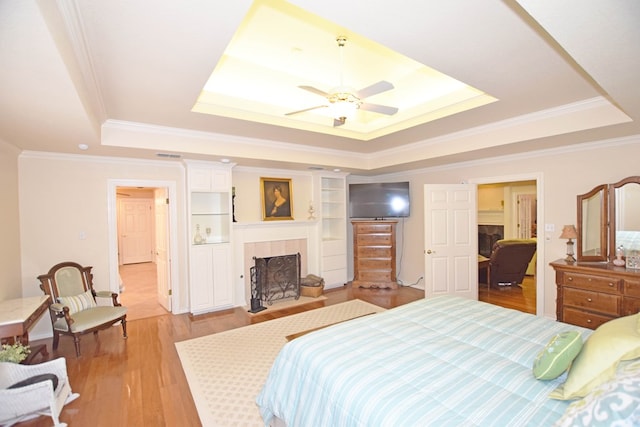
{"x":444,"y":361}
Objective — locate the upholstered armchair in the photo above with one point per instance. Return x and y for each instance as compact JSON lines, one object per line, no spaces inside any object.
{"x":28,"y":391}
{"x":74,"y":310}
{"x":509,"y":261}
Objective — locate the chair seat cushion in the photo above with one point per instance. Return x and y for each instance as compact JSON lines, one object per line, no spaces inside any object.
{"x":91,"y":317}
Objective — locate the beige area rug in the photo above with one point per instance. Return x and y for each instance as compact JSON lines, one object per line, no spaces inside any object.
{"x":286,"y":303}
{"x":226,"y":371}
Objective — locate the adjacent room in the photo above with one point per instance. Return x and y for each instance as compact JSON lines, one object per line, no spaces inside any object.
{"x":297,"y":213}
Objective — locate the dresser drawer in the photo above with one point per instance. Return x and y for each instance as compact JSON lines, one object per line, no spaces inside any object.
{"x":630,"y":306}
{"x":373,"y":264}
{"x":374,"y":252}
{"x":373,"y":239}
{"x":632,"y":288}
{"x":375,"y":276}
{"x":373,"y":228}
{"x":593,"y":301}
{"x":583,"y":318}
{"x":594,"y":283}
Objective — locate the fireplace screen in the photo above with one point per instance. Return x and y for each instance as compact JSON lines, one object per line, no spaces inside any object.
{"x":275,"y":278}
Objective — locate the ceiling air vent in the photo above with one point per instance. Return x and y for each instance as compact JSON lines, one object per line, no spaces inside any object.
{"x":168,"y":155}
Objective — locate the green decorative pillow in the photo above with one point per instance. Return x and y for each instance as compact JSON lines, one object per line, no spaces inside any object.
{"x":557,"y":356}
{"x":79,"y":302}
{"x":612,"y":342}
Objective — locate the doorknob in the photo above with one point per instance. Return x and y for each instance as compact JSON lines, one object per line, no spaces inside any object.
{"x":429,"y":251}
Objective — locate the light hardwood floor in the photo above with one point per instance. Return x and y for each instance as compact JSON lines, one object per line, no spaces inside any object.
{"x":140,"y":291}
{"x":140,"y":382}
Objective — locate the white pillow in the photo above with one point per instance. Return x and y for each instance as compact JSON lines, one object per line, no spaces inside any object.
{"x":78,"y":302}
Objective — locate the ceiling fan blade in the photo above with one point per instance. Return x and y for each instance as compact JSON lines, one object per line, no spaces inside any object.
{"x":382,"y":109}
{"x":314,"y":90}
{"x":305,"y":110}
{"x":374,"y":89}
{"x":339,"y":122}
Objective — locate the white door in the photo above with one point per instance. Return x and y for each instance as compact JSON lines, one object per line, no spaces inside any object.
{"x":451,"y":240}
{"x":161,"y":202}
{"x":136,"y":232}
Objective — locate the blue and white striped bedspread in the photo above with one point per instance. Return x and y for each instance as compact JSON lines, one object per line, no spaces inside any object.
{"x":444,"y":361}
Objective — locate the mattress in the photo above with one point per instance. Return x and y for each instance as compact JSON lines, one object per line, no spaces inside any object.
{"x":444,"y":361}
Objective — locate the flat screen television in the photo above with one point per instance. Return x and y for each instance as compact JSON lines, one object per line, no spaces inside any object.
{"x":379,"y":200}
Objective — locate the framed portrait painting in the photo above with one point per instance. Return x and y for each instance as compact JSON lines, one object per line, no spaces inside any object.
{"x":277,"y":199}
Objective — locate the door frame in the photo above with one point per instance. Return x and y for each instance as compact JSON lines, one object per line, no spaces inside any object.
{"x":540,"y":240}
{"x":112,"y":224}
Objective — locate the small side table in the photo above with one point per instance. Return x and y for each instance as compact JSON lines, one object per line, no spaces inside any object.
{"x":17,"y":316}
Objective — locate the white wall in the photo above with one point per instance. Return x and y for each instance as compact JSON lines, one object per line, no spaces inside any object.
{"x":247,"y":184}
{"x":10,"y":283}
{"x":64,"y":216}
{"x":566,"y":173}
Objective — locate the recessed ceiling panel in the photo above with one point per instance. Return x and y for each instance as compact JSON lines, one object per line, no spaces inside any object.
{"x":279,"y":47}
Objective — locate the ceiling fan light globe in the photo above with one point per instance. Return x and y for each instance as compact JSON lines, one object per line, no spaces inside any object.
{"x":342,"y":109}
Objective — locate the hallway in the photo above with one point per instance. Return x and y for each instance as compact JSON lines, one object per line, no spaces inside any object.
{"x":140,"y":291}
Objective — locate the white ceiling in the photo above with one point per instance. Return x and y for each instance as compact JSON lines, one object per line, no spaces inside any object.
{"x":122,"y":77}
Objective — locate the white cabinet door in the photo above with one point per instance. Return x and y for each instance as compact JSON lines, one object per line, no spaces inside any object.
{"x":199,"y":178}
{"x":210,"y":277}
{"x":222,"y":284}
{"x":201,"y":279}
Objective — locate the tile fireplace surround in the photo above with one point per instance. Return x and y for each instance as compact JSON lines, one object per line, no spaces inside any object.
{"x":267,"y":239}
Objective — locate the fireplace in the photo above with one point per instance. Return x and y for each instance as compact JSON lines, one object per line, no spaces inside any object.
{"x":488,"y":235}
{"x":274,"y":278}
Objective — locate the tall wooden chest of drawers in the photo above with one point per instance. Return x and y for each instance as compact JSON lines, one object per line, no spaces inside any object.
{"x":590,"y":294}
{"x":374,"y":254}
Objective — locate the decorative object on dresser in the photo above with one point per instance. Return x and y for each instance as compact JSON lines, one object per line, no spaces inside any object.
{"x":374,"y":254}
{"x":569,"y":232}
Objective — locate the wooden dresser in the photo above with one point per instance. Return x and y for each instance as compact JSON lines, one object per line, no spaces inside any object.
{"x":591,"y":293}
{"x":374,"y":254}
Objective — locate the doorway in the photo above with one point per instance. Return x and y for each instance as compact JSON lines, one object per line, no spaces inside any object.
{"x":503,"y":208}
{"x":141,"y":231}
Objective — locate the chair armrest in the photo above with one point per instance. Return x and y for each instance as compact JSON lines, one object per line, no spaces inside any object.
{"x":104,"y":294}
{"x":108,"y":294}
{"x":57,"y":308}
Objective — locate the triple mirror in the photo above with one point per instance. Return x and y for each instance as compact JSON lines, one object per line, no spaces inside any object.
{"x":608,"y":218}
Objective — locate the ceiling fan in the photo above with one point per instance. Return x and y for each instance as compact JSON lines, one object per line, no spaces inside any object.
{"x":344,"y":101}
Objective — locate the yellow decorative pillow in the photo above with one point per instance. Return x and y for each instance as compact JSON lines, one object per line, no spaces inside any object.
{"x":78,"y":302}
{"x":612,"y":342}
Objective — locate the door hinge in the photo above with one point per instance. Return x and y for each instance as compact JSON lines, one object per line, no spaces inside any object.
{"x":170,"y":293}
{"x":166,"y":201}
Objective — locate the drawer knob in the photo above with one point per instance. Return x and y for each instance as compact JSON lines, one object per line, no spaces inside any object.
{"x":589,"y":299}
{"x":571,"y":279}
{"x":588,"y":320}
{"x":611,"y":285}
